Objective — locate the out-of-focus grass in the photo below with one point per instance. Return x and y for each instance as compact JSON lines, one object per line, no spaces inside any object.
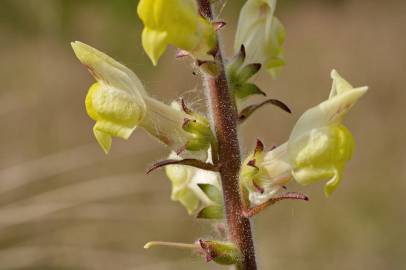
{"x":65,"y":205}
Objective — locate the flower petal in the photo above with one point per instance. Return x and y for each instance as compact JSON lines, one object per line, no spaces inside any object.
{"x":339,"y":84}
{"x":103,"y":139}
{"x":185,"y":184}
{"x":175,"y":22}
{"x":154,"y":43}
{"x":115,"y":112}
{"x":330,"y":111}
{"x":321,"y":154}
{"x":108,"y":71}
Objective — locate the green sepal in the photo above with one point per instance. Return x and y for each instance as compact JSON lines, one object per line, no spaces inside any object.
{"x":248,"y":71}
{"x":247,"y":89}
{"x":236,"y":63}
{"x":210,"y":67}
{"x":224,"y":253}
{"x":196,"y":144}
{"x":202,"y":134}
{"x":212,"y":192}
{"x":197,"y":127}
{"x":211,"y":212}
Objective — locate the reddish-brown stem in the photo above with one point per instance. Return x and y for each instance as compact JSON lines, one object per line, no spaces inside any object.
{"x":224,"y":114}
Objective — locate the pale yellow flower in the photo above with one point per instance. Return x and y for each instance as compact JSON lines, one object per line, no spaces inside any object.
{"x":318,"y":147}
{"x":119,"y":103}
{"x":185,"y":184}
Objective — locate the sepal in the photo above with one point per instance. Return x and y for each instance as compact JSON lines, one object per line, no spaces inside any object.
{"x":224,"y":253}
{"x":246,"y":90}
{"x":201,"y":135}
{"x":239,"y":74}
{"x":211,"y":212}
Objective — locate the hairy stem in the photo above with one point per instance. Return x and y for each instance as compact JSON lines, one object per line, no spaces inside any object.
{"x":224,"y":114}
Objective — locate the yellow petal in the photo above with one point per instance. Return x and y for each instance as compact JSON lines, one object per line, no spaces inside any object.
{"x":154,"y":43}
{"x":108,"y":71}
{"x":185,"y":184}
{"x":103,"y":139}
{"x":330,"y":111}
{"x":91,"y":111}
{"x":175,"y":22}
{"x":321,"y":155}
{"x":332,"y":184}
{"x":115,"y":112}
{"x":339,"y":84}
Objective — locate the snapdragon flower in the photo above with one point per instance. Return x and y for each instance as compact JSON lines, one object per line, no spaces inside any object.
{"x":119,"y":103}
{"x":318,"y":148}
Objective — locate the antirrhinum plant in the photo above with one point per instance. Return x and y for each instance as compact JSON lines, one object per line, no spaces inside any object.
{"x":209,"y":175}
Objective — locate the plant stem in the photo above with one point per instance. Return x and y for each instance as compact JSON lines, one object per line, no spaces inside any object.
{"x":224,"y":114}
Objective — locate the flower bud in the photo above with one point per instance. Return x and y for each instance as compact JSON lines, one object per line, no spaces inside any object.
{"x":262,"y":34}
{"x":175,"y":22}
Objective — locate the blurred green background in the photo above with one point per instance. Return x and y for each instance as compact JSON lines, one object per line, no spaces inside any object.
{"x":66,"y":205}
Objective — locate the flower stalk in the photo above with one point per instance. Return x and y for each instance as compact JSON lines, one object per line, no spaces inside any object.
{"x":223,"y":112}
